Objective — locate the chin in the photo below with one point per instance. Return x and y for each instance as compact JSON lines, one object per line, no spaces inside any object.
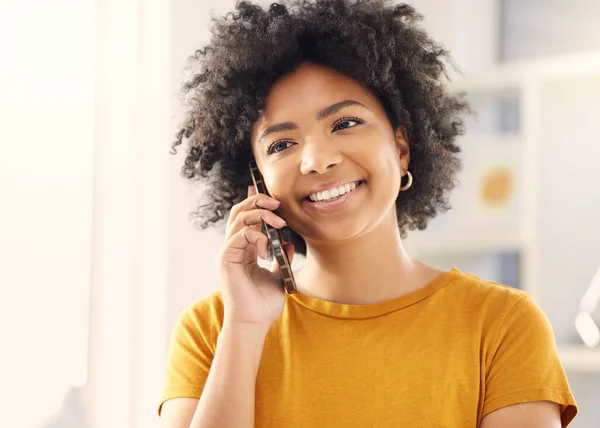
{"x":347,"y":224}
{"x":338,"y":231}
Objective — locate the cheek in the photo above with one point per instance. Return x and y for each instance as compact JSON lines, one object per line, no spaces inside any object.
{"x":280,"y":187}
{"x":386,"y":159}
{"x":278,"y":183}
{"x":385,"y":172}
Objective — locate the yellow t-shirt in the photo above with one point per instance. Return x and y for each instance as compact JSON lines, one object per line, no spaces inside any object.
{"x":443,"y":356}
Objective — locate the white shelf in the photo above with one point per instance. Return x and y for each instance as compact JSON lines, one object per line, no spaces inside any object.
{"x":512,"y":75}
{"x":580,"y":358}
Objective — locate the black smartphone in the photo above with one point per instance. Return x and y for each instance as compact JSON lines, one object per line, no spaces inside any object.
{"x":274,"y":235}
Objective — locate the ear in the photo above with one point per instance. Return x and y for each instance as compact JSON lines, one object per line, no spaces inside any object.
{"x":403,"y":147}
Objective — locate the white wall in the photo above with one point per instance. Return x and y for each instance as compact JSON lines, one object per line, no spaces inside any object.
{"x":46,"y":170}
{"x":468,"y":28}
{"x":130,"y":227}
{"x":549,"y":27}
{"x":569,"y":198}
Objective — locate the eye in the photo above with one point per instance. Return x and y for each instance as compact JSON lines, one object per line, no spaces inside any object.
{"x":346,"y":123}
{"x":279,"y":146}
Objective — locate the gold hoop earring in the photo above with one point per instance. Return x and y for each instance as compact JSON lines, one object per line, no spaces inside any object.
{"x":409,"y":183}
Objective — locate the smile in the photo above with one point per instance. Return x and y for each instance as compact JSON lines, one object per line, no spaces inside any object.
{"x":328,"y":200}
{"x":334,"y":192}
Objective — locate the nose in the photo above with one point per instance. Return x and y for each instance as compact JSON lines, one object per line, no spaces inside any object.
{"x":319,"y":157}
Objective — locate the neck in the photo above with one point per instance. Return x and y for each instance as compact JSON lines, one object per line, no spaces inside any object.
{"x":368,"y":269}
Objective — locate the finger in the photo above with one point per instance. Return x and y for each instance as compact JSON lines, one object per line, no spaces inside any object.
{"x":251,"y":191}
{"x":258,"y":201}
{"x":237,"y":247}
{"x":256,"y":218}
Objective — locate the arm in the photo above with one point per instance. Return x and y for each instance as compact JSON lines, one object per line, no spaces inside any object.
{"x":211,"y":374}
{"x":228,"y":396}
{"x":537,"y":414}
{"x":526,"y":385}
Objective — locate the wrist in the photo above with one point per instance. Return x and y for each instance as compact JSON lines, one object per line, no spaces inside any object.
{"x":249,"y":331}
{"x":247,"y":339}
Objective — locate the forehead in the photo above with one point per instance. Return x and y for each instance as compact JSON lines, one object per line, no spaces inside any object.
{"x":309,"y":89}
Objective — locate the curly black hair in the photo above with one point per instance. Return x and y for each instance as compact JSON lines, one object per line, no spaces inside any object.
{"x":375,"y":42}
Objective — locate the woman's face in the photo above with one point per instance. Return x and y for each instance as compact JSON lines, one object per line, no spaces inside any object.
{"x":322,"y":133}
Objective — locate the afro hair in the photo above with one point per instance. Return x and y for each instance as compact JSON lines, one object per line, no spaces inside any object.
{"x":375,"y":42}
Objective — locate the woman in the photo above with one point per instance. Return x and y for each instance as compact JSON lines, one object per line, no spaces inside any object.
{"x":342,"y":104}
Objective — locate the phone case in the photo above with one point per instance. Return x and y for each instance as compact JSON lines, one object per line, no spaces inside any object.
{"x":274,"y":235}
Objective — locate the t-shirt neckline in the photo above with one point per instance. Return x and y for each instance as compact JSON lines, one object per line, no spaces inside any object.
{"x":346,"y":311}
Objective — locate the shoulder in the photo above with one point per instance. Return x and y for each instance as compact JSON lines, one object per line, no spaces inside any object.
{"x":204,"y":315}
{"x":505,"y":315}
{"x":496,"y":308}
{"x":519,"y":359}
{"x":210,"y":305}
{"x":192,"y":348}
{"x":486,"y":295}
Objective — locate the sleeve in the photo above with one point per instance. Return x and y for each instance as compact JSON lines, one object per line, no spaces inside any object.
{"x":192,"y":349}
{"x":525,"y":366}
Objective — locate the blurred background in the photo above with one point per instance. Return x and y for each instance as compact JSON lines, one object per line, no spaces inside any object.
{"x":98,"y":256}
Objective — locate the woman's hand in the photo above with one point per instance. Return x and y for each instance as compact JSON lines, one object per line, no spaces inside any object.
{"x":252,"y":295}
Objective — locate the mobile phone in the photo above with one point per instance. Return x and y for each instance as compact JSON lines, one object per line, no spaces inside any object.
{"x":274,"y":235}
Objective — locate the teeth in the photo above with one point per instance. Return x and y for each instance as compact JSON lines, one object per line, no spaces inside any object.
{"x":333,"y":193}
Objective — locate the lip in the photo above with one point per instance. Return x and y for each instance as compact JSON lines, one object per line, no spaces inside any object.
{"x":330,"y":185}
{"x":336,"y":204}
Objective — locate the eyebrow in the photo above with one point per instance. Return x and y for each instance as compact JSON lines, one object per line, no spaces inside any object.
{"x":321,"y":115}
